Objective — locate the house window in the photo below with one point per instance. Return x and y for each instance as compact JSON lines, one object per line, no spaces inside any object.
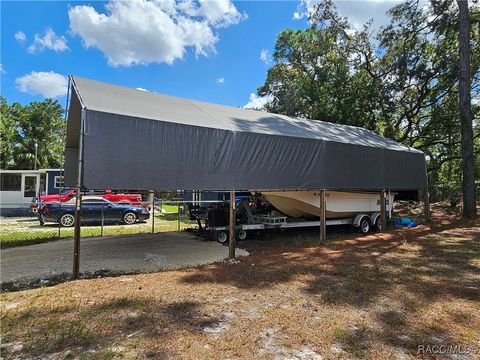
{"x":30,"y":187}
{"x":11,"y":182}
{"x":58,"y":182}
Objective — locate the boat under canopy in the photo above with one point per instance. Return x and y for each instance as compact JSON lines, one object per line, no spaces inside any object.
{"x":339,"y":204}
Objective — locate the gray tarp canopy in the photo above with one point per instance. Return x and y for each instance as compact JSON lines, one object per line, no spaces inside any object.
{"x":139,"y":140}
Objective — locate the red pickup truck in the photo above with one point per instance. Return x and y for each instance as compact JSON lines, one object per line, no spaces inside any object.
{"x":69,"y":194}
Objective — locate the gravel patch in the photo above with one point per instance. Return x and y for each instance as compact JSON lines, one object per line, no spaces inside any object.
{"x":50,"y":263}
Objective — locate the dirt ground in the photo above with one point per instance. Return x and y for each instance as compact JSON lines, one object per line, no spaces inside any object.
{"x":115,"y":254}
{"x":399,"y":295}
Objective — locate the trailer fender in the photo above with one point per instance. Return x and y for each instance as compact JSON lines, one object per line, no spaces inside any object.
{"x":362,"y":222}
{"x":358,"y":219}
{"x":374,"y":218}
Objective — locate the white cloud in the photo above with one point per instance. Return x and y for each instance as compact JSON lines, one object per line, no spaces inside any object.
{"x":142,"y":89}
{"x":357,"y":11}
{"x":221,"y":13}
{"x":48,"y":84}
{"x":298,"y":15}
{"x":257,"y":102}
{"x":220,"y":80}
{"x":49,"y":41}
{"x":20,"y":36}
{"x":265,"y":56}
{"x":2,"y":70}
{"x":133,"y":32}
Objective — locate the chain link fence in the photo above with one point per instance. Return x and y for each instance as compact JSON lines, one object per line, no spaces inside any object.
{"x":25,"y":223}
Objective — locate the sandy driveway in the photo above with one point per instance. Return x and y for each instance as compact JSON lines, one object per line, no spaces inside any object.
{"x":126,"y":253}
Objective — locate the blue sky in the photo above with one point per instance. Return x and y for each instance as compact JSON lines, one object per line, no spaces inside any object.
{"x":208,"y":51}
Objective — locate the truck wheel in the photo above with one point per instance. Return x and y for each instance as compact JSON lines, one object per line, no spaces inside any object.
{"x":67,"y":220}
{"x":378,"y":224}
{"x":221,"y":237}
{"x":129,"y":218}
{"x":364,"y":226}
{"x":241,"y":234}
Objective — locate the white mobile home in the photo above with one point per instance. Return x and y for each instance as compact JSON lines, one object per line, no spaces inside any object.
{"x":19,"y":187}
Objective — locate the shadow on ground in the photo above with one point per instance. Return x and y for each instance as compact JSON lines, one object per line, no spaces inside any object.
{"x":397,"y":278}
{"x":67,"y":327}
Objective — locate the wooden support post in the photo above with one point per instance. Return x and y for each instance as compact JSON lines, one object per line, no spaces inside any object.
{"x":390,"y":205}
{"x":151,"y":201}
{"x":426,"y":202}
{"x":383,"y":211}
{"x":78,"y":202}
{"x":231,"y":227}
{"x":76,"y":238}
{"x":323,"y":223}
{"x":178,"y":216}
{"x":103,"y":221}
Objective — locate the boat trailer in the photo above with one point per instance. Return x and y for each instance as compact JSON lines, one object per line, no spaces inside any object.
{"x":363,"y":222}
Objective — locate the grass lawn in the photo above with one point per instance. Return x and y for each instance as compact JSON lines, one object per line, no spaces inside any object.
{"x":27,"y":231}
{"x":377,"y":297}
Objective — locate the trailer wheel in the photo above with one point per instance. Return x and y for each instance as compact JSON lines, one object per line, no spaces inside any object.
{"x":241,"y":234}
{"x":378,"y":224}
{"x":364,"y":225}
{"x":221,"y":237}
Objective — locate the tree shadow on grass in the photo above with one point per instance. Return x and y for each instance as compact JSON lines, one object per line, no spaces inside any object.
{"x":167,"y":217}
{"x":414,"y":271}
{"x":359,"y":269}
{"x":57,"y":328}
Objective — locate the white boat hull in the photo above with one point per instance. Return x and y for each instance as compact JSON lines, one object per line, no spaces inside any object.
{"x":339,"y":204}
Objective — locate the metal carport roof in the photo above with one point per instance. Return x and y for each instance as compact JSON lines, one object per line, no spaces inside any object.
{"x":134,"y":139}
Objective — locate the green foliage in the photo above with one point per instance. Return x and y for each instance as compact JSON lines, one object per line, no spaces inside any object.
{"x":401,"y":82}
{"x":7,"y":134}
{"x":23,"y":126}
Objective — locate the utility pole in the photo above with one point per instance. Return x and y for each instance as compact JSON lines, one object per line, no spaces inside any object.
{"x":36,"y":153}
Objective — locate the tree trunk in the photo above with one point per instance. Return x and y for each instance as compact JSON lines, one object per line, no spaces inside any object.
{"x":466,"y":115}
